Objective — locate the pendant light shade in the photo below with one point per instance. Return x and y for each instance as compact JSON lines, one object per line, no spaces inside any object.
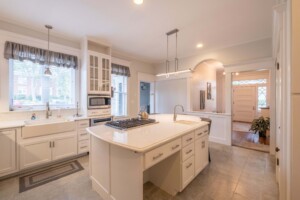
{"x":47,"y":70}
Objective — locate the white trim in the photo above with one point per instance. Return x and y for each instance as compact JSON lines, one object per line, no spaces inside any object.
{"x":148,"y":78}
{"x":250,"y":66}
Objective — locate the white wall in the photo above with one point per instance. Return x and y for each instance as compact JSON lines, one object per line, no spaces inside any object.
{"x":170,"y":93}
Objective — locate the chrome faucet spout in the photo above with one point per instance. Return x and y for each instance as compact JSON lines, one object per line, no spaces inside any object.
{"x":48,"y":111}
{"x":175,"y":114}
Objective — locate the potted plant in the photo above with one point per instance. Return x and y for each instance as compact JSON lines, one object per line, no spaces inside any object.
{"x":260,"y":126}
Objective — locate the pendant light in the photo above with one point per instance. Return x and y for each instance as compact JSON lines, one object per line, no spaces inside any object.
{"x":175,"y":31}
{"x":47,"y":71}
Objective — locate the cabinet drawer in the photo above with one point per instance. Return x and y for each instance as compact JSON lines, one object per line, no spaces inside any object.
{"x":187,"y":152}
{"x":83,"y":124}
{"x":187,"y":171}
{"x":160,"y":153}
{"x":83,"y":135}
{"x":83,"y":146}
{"x":201,"y":132}
{"x":187,"y":139}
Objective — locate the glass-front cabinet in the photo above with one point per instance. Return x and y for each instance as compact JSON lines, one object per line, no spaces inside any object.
{"x":99,"y":70}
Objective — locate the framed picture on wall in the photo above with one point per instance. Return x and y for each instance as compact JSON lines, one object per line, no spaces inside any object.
{"x":208,"y":90}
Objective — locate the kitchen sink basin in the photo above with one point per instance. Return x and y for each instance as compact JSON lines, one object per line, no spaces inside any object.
{"x":187,"y":122}
{"x":36,"y":128}
{"x":45,"y":121}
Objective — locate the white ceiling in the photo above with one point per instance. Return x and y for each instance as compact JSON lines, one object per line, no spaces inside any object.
{"x":140,"y":30}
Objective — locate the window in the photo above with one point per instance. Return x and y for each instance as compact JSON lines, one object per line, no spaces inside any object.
{"x":119,"y":100}
{"x":261,"y":96}
{"x":30,"y":88}
{"x":250,"y":82}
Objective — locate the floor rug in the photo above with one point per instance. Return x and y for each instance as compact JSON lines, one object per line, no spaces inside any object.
{"x":48,"y":174}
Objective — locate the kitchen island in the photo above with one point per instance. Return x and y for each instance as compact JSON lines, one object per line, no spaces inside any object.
{"x":168,"y":154}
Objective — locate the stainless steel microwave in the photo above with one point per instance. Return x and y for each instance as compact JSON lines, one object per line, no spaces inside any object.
{"x":98,"y":101}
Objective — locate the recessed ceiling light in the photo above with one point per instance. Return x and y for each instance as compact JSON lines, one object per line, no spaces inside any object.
{"x":138,"y":2}
{"x":199,"y":45}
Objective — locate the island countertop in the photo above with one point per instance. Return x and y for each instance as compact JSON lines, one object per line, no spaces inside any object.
{"x":144,"y":138}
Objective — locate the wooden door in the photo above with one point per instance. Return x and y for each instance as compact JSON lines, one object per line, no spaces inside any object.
{"x":244,"y":103}
{"x":35,"y":153}
{"x":64,"y":147}
{"x":8,"y":151}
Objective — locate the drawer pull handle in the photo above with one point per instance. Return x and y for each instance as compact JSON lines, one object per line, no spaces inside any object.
{"x":200,"y":133}
{"x":175,"y":147}
{"x":159,"y":155}
{"x":189,"y":139}
{"x":83,"y":134}
{"x":205,"y":131}
{"x":189,"y":151}
{"x":83,"y":147}
{"x":189,"y":165}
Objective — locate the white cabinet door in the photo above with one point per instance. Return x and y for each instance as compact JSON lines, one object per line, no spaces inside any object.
{"x":99,"y":72}
{"x":35,"y":153}
{"x":201,"y":153}
{"x":64,"y":147}
{"x":94,"y":73}
{"x":8,"y":151}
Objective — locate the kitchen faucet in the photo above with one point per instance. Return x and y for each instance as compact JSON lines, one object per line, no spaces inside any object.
{"x":48,"y":111}
{"x":175,"y":114}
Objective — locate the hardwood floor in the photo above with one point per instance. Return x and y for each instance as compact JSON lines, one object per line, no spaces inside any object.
{"x":242,"y":137}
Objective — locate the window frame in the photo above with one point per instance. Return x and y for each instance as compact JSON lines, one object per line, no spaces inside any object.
{"x":123,"y":93}
{"x":76,"y":93}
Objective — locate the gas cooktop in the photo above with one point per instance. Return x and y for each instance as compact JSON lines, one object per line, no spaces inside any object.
{"x":130,"y":123}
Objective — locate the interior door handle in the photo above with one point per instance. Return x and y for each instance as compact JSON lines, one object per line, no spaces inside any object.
{"x":277,"y":149}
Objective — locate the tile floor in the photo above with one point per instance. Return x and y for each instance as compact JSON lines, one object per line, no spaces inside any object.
{"x":234,"y":173}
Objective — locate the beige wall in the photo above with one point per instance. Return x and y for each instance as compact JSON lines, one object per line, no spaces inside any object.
{"x":204,"y":73}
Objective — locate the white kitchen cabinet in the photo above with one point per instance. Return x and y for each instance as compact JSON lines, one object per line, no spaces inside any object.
{"x":64,"y":147}
{"x":99,"y":71}
{"x":83,"y":136}
{"x":201,"y":153}
{"x":8,"y":151}
{"x":35,"y":153}
{"x":188,"y":171}
{"x":43,"y":150}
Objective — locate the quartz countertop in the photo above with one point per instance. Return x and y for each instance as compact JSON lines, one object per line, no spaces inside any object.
{"x":20,"y":123}
{"x":11,"y":124}
{"x":144,"y":138}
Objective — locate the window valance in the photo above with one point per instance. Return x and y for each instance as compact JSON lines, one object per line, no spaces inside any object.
{"x":37,"y":55}
{"x":120,"y":70}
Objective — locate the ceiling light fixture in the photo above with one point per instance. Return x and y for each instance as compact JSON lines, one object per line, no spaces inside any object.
{"x":236,"y":73}
{"x":138,"y":2}
{"x":47,"y":71}
{"x":199,"y":45}
{"x":175,"y":31}
{"x":174,"y":73}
